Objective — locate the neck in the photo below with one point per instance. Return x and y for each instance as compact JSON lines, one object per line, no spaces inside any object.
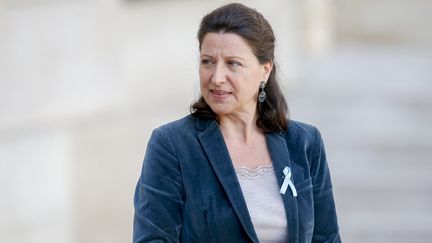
{"x":241,"y":127}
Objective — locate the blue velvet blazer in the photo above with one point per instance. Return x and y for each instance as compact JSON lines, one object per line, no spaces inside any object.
{"x":188,"y":189}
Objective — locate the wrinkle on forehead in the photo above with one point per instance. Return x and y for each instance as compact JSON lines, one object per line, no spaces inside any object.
{"x":225,"y":45}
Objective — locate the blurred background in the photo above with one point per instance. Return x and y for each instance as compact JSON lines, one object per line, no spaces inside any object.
{"x":84,"y":82}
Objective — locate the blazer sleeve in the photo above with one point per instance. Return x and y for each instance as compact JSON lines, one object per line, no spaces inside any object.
{"x":326,"y":227}
{"x":159,"y":195}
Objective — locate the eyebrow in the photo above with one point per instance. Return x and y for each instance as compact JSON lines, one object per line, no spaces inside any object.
{"x":238,"y":57}
{"x":205,"y":55}
{"x":229,"y":57}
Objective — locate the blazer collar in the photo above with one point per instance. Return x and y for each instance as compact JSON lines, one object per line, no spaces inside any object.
{"x":279,"y":153}
{"x":214,"y":146}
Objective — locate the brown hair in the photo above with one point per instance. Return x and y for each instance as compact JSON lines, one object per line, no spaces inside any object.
{"x":254,"y":28}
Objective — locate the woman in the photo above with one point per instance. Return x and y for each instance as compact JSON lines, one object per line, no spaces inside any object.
{"x":235,"y":170}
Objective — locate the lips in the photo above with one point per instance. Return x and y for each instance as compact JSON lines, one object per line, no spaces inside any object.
{"x":220,"y":94}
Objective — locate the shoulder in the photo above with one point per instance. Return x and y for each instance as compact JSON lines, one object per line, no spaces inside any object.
{"x":182,"y":124}
{"x":183,"y":129}
{"x":173,"y":134}
{"x":302,"y":130}
{"x":302,"y":134}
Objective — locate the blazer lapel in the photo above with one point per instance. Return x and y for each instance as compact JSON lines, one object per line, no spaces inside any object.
{"x":214,"y":146}
{"x":278,"y":149}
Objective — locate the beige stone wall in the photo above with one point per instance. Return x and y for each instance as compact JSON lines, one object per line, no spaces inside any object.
{"x":83,"y":83}
{"x":384,"y":22}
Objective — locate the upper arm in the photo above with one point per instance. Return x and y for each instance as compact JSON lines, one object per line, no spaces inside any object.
{"x":319,"y":168}
{"x":326,"y":226}
{"x":159,"y":195}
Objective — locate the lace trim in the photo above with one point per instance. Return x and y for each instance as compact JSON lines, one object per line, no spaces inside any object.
{"x":246,"y":172}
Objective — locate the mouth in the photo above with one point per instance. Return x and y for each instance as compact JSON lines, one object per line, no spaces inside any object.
{"x":220,"y":92}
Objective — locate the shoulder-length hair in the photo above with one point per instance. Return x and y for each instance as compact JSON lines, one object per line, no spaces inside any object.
{"x":254,"y":28}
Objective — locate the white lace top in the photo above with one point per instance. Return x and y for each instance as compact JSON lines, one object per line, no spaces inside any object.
{"x":264,"y":202}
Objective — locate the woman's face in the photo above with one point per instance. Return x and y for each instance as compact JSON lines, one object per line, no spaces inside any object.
{"x":230,"y":74}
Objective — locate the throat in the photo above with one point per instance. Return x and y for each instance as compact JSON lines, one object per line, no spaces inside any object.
{"x":250,"y":153}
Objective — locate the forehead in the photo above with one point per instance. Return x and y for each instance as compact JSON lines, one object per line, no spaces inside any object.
{"x":227,"y":43}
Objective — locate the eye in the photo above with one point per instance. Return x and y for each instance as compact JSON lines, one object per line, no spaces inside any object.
{"x":206,"y":61}
{"x":234,"y":63}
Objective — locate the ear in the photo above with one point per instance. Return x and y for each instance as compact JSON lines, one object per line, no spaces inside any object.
{"x":267,"y":68}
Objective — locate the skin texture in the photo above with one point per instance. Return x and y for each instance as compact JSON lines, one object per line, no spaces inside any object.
{"x":230,"y":75}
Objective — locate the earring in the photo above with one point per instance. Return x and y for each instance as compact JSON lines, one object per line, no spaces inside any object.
{"x":262,"y":95}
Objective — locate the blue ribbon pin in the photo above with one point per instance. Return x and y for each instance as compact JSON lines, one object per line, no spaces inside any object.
{"x":288,"y":182}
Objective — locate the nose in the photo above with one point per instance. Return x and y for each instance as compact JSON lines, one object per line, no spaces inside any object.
{"x":219,"y":75}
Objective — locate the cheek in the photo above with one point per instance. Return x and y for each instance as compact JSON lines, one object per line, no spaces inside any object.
{"x":204,"y":77}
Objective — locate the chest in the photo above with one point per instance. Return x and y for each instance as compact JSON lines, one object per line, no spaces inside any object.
{"x":251,"y":155}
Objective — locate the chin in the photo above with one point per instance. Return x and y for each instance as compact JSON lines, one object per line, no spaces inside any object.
{"x":219,"y":109}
